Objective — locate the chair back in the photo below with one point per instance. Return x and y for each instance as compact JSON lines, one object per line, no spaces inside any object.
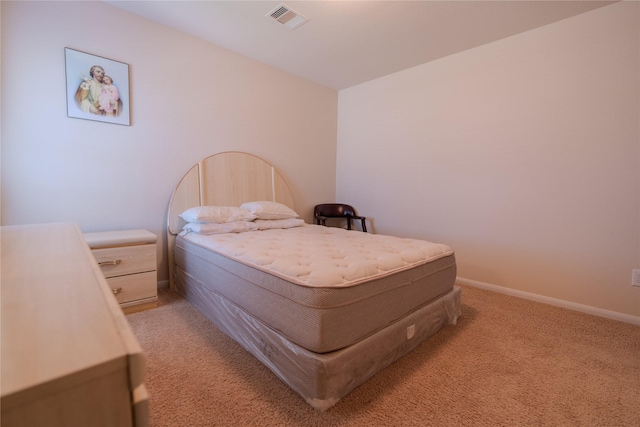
{"x":334,"y":210}
{"x":337,"y":210}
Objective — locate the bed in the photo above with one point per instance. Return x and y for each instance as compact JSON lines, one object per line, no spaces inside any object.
{"x":323,"y":308}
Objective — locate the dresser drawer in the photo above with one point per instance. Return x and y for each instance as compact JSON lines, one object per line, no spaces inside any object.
{"x":125,"y":260}
{"x":134,"y":286}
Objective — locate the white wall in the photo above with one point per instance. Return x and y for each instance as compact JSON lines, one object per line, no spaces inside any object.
{"x":189,"y":98}
{"x":522,"y":154}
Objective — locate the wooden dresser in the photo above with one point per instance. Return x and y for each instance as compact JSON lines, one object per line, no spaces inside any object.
{"x":127,"y":258}
{"x":69,"y":357}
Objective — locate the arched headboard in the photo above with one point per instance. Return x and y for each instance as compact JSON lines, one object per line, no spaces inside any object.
{"x":223,"y":179}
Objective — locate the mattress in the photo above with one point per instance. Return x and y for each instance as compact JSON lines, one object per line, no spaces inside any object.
{"x":321,"y":288}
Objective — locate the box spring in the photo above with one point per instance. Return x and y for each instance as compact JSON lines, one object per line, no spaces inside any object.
{"x":321,"y":379}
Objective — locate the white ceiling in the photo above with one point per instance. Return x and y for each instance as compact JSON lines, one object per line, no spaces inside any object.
{"x":350,"y":42}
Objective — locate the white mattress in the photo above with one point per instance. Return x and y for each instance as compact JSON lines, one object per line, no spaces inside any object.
{"x":321,"y":288}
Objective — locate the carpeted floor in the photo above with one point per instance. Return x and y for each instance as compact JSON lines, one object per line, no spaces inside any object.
{"x":508,"y":362}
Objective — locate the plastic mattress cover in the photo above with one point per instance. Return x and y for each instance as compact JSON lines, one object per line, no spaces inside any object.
{"x":322,"y":379}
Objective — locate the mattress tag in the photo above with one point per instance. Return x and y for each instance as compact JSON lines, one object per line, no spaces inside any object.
{"x":411,"y":331}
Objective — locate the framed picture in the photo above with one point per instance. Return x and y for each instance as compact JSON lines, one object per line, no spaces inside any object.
{"x":97,"y":88}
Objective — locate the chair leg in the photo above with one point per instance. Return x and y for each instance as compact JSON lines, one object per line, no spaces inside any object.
{"x":364,"y":226}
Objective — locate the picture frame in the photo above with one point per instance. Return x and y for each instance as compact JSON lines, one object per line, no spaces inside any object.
{"x":97,"y":88}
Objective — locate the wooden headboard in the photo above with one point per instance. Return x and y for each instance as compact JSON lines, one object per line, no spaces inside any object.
{"x":224,"y":179}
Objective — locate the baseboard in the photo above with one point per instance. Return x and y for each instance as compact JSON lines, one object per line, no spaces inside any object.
{"x":614,"y":315}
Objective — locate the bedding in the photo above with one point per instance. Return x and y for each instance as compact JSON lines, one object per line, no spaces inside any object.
{"x":242,"y":226}
{"x":269,"y":210}
{"x":214,"y":228}
{"x":264,"y":224}
{"x":216,"y":214}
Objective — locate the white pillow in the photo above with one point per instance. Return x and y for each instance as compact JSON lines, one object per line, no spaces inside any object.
{"x":216,"y":214}
{"x":228,"y":227}
{"x":270,"y":224}
{"x":269,"y":210}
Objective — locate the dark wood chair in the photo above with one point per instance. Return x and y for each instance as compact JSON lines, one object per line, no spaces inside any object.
{"x":337,"y":210}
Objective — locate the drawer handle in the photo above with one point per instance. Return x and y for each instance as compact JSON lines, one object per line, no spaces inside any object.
{"x":116,"y":291}
{"x":114,"y":262}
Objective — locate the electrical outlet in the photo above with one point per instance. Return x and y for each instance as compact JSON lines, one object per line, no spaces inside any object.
{"x":635,"y":278}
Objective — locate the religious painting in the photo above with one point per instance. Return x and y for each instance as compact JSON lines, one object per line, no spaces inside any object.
{"x":97,"y":88}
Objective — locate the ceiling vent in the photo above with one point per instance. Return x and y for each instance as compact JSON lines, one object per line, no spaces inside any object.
{"x":287,"y":17}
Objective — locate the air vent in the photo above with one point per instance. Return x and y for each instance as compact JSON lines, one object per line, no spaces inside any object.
{"x":287,"y":17}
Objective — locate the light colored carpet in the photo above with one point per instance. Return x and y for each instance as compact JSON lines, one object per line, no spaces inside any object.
{"x":508,"y":362}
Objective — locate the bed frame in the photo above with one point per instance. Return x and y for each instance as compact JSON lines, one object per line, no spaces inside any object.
{"x":232,"y":178}
{"x":225,"y":179}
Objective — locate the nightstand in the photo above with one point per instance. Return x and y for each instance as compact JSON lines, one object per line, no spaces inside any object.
{"x":128,"y":261}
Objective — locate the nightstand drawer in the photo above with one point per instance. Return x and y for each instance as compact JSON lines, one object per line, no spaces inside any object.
{"x":126,"y":260}
{"x":133,"y":287}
